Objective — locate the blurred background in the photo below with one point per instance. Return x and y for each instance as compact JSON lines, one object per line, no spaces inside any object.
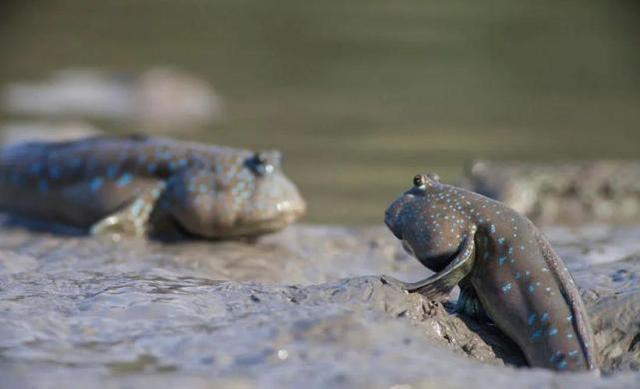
{"x":359,"y":95}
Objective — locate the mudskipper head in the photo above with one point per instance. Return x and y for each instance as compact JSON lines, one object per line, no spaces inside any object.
{"x":425,"y":219}
{"x":270,"y":201}
{"x":242,"y":194}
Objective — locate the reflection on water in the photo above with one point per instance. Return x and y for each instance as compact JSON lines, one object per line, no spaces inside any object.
{"x":362,"y":95}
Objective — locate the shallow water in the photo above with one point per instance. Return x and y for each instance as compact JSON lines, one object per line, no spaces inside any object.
{"x":362,"y":95}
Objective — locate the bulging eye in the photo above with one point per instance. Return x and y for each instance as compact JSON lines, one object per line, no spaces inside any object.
{"x":420,"y":180}
{"x":262,"y":163}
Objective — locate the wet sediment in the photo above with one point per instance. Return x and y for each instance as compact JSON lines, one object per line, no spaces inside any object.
{"x":302,"y":307}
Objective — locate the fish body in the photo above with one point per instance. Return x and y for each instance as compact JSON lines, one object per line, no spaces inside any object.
{"x":137,"y":183}
{"x":504,"y":266}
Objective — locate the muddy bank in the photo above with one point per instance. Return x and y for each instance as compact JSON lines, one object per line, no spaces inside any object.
{"x":569,"y":193}
{"x":303,"y":307}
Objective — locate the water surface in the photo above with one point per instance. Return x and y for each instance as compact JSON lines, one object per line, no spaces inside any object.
{"x":361,"y":95}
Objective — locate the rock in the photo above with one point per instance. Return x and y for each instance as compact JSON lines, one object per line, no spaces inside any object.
{"x":616,"y":323}
{"x":159,"y":99}
{"x":71,"y":93}
{"x":304,"y":307}
{"x":167,"y":100}
{"x":572,"y":193}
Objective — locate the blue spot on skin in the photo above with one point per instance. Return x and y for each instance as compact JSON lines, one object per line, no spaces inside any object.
{"x":544,"y":317}
{"x":124,"y":180}
{"x":501,"y":260}
{"x":43,"y":185}
{"x":532,"y":319}
{"x":35,"y":168}
{"x":553,"y":332}
{"x":54,"y":172}
{"x":493,"y":228}
{"x":501,"y":240}
{"x":112,"y":170}
{"x":562,"y":365}
{"x":506,"y":287}
{"x":570,"y":317}
{"x":517,"y":275}
{"x":510,"y":250}
{"x":573,"y":353}
{"x":95,"y":184}
{"x":536,"y":334}
{"x":532,"y":288}
{"x":569,"y":336}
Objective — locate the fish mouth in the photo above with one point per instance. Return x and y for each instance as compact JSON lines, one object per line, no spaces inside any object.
{"x":407,"y":247}
{"x":291,"y":209}
{"x":287,"y":213}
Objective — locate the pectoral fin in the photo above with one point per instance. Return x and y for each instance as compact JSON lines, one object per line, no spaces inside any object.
{"x":132,"y":218}
{"x":468,"y":303}
{"x":441,"y":283}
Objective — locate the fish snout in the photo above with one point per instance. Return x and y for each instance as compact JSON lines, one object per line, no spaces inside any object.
{"x":392,"y":218}
{"x":292,"y":207}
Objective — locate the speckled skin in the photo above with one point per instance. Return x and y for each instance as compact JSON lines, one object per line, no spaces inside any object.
{"x":209,"y":191}
{"x":518,"y":279}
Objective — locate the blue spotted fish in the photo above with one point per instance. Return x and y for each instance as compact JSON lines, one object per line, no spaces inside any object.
{"x":506,"y":270}
{"x":138,"y":184}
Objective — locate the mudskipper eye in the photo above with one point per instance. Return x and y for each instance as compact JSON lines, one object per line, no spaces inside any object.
{"x":260,"y":158}
{"x":420,"y":180}
{"x":260,"y":164}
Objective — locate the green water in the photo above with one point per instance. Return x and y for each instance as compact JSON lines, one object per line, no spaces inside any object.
{"x":361,"y":95}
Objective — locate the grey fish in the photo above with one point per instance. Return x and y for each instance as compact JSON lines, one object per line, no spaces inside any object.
{"x":506,"y":269}
{"x":138,"y":184}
